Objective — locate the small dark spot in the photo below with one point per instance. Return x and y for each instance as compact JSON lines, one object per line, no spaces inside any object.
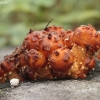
{"x":56,"y":53}
{"x":87,"y":47}
{"x":49,"y":36}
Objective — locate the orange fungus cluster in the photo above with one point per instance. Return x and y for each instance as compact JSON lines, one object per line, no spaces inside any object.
{"x":53,"y":53}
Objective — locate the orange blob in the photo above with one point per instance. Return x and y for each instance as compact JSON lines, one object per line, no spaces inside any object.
{"x":50,"y":43}
{"x":61,"y":59}
{"x":86,"y":36}
{"x":33,"y":38}
{"x":35,"y":59}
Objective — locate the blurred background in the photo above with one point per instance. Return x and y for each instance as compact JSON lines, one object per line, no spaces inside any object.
{"x":18,"y":16}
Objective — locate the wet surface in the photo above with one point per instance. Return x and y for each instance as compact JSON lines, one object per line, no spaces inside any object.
{"x":87,"y":89}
